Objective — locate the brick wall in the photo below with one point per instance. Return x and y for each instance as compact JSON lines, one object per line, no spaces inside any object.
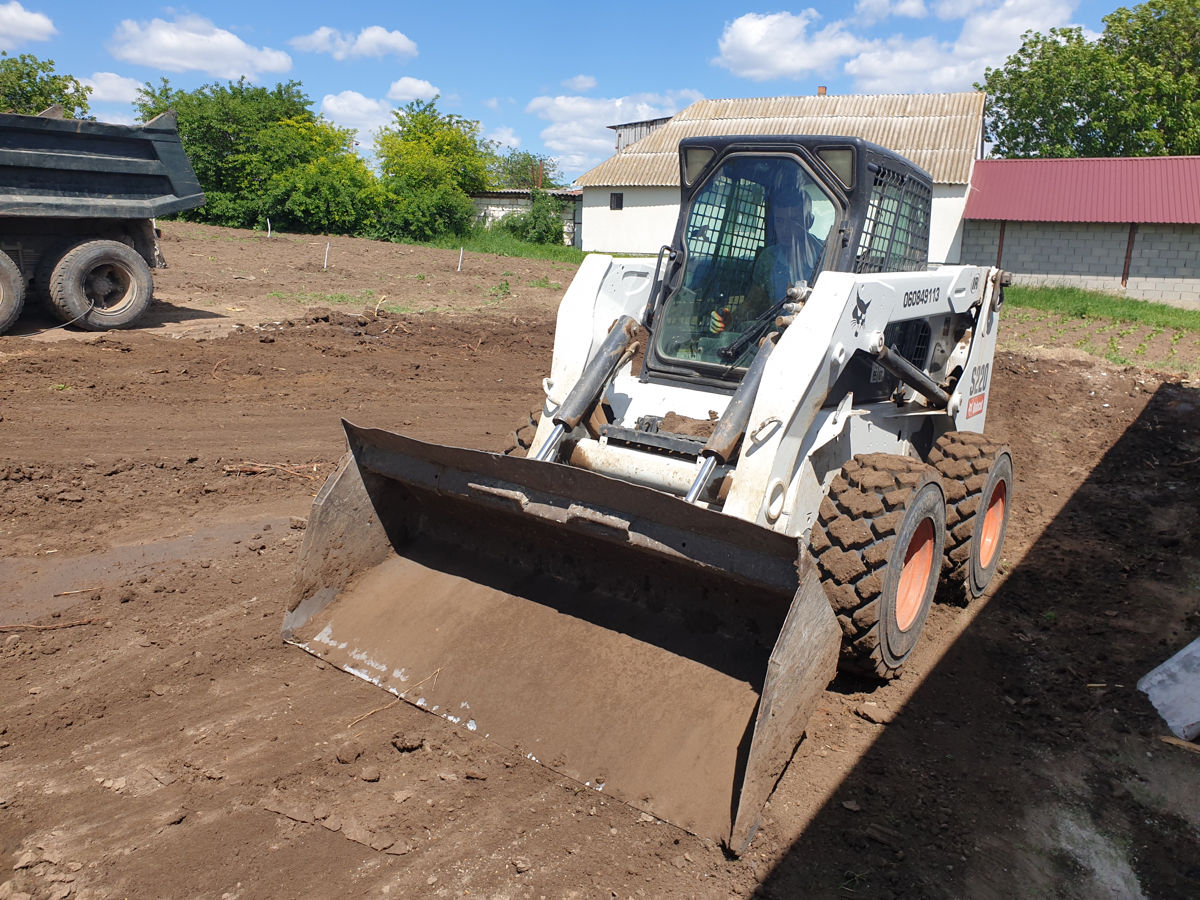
{"x":1164,"y":267}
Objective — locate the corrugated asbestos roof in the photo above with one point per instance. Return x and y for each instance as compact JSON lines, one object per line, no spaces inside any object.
{"x":939,"y":132}
{"x":1163,"y":189}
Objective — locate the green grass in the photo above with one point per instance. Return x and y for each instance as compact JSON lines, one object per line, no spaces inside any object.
{"x":501,"y":243}
{"x":337,"y":298}
{"x":1080,"y":304}
{"x":1114,"y":328}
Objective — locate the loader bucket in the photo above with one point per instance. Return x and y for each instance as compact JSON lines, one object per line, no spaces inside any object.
{"x":654,"y":650}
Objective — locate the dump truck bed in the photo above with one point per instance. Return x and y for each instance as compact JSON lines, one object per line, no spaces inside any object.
{"x":70,"y":168}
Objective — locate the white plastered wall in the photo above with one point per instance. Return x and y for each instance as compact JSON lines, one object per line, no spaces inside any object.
{"x":945,"y":223}
{"x":646,"y":222}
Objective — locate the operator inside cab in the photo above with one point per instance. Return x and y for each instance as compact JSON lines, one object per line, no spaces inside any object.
{"x":758,"y":227}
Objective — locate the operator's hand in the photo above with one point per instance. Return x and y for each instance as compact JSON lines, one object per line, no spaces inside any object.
{"x":718,"y":320}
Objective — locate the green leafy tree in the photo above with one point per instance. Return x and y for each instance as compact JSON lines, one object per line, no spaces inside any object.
{"x":429,"y":162}
{"x":29,"y":85}
{"x":222,"y":128}
{"x":423,"y":214}
{"x":329,"y":194}
{"x":1132,"y":92}
{"x":426,"y":148}
{"x":524,"y":170}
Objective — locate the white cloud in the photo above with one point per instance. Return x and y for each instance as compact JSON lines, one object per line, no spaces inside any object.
{"x":408,"y":88}
{"x":492,"y":103}
{"x":505,"y":137}
{"x":871,"y":11}
{"x":17,"y":24}
{"x":374,"y":40}
{"x":990,"y":33}
{"x":109,"y":87}
{"x":193,"y":42}
{"x":350,"y":109}
{"x":780,"y":45}
{"x":580,"y":83}
{"x":578,"y":132}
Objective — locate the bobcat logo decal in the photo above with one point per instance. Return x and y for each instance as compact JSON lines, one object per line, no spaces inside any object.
{"x":859,"y":313}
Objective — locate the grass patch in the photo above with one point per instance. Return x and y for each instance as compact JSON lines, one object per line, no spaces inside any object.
{"x":321,"y":298}
{"x":1112,"y":328}
{"x":500,"y":243}
{"x":1080,"y":304}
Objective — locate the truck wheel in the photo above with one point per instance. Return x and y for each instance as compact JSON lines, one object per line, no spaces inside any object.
{"x":12,"y":292}
{"x":99,"y":285}
{"x":878,"y":542}
{"x":977,"y":474}
{"x":43,"y":271}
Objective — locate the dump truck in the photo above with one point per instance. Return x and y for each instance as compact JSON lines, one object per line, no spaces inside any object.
{"x":77,"y":203}
{"x":759,"y":455}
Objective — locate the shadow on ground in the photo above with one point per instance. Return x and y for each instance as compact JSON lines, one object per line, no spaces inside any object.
{"x":1027,"y":764}
{"x":36,"y":319}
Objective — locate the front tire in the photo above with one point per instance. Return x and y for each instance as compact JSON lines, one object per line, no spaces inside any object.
{"x":12,"y":292}
{"x":879,"y":542}
{"x":978,"y":477}
{"x":99,"y":285}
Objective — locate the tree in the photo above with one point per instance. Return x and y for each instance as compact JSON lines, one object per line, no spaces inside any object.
{"x":425,"y":148}
{"x":525,"y":170}
{"x":222,"y":128}
{"x":429,"y":161}
{"x":29,"y":85}
{"x":1131,"y":92}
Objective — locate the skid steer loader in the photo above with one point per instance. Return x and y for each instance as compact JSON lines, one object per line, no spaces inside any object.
{"x":758,"y":455}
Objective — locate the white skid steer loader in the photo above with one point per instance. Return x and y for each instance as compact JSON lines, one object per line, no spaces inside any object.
{"x":758,"y":456}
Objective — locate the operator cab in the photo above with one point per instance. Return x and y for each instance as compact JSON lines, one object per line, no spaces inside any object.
{"x":761,"y":218}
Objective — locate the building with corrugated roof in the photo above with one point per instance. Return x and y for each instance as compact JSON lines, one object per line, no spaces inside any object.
{"x":631,"y":200}
{"x":1129,"y":226}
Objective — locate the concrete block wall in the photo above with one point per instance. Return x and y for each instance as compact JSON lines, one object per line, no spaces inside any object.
{"x":1164,"y":266}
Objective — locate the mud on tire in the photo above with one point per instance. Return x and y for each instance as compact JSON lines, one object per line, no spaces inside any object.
{"x":878,"y":542}
{"x":977,"y":474}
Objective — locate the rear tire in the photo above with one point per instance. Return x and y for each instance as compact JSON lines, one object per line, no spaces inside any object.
{"x":879,"y":541}
{"x":99,"y":285}
{"x":43,"y":272}
{"x":977,"y":474}
{"x":12,"y":292}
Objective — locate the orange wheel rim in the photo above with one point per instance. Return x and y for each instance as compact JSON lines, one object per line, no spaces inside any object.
{"x":914,"y":577}
{"x":993,"y":524}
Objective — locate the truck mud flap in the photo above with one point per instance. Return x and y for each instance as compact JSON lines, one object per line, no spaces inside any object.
{"x":656,"y":651}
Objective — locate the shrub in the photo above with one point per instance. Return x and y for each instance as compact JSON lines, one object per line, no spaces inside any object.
{"x":424,"y":213}
{"x":540,"y":224}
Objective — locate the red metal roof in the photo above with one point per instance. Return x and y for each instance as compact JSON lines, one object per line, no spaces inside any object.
{"x":1164,"y":189}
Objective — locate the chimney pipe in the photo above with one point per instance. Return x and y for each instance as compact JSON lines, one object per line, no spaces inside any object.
{"x":820,"y":90}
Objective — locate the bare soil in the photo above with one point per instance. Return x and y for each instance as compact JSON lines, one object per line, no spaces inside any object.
{"x":157,"y":738}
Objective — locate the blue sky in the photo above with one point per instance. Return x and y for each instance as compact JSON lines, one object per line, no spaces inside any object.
{"x":547,"y":78}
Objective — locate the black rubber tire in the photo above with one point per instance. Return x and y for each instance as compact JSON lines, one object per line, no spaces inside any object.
{"x":99,"y":285}
{"x":878,"y":541}
{"x":977,"y":473}
{"x":12,"y":292}
{"x":43,"y":272}
{"x":522,"y":436}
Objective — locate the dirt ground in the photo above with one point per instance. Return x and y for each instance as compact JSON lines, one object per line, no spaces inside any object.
{"x":158,"y":739}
